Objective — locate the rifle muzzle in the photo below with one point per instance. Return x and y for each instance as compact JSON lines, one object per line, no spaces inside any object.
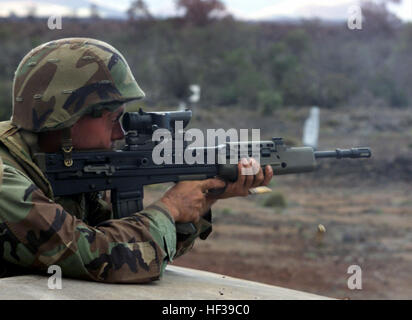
{"x":353,"y":153}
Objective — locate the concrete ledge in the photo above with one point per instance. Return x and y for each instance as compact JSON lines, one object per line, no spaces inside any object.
{"x":177,"y":283}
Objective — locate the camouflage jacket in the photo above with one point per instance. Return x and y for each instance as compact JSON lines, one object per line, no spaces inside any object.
{"x":38,"y":230}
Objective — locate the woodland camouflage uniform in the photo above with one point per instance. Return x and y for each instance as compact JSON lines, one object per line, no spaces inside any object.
{"x":54,"y":86}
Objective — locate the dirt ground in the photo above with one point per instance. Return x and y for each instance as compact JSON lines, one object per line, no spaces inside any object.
{"x":284,"y":248}
{"x":365,"y":206}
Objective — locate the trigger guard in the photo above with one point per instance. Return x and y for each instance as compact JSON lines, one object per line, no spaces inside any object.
{"x":217,"y":191}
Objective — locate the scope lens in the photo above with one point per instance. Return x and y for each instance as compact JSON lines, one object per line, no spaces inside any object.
{"x":126,"y":121}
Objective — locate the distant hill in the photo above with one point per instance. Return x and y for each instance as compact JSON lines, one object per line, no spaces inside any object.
{"x":265,"y":66}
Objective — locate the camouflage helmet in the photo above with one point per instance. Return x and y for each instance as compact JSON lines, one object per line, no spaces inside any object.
{"x":60,"y":81}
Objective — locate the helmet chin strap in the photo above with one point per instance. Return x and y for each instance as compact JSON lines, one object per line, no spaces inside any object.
{"x":67,"y":147}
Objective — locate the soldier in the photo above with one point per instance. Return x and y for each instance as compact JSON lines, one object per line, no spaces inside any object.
{"x":70,"y":94}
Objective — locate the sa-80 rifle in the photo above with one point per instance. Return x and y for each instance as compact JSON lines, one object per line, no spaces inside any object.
{"x":125,"y":172}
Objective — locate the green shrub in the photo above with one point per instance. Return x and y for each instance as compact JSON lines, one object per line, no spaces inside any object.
{"x":269,"y":101}
{"x":276,"y":200}
{"x":226,"y":211}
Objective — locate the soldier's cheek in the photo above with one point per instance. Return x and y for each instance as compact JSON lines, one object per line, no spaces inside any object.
{"x":117,"y":132}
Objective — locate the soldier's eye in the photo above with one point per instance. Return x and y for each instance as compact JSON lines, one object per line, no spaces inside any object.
{"x":117,"y":118}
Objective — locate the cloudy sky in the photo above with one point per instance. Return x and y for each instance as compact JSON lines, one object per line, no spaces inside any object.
{"x":246,"y":9}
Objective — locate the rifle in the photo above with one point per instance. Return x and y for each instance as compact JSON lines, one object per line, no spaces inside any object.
{"x":125,"y":172}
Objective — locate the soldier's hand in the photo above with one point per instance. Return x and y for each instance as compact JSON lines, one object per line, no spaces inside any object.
{"x":187,"y":201}
{"x":250,"y":175}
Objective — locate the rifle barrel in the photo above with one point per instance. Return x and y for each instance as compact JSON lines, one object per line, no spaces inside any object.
{"x":353,"y":153}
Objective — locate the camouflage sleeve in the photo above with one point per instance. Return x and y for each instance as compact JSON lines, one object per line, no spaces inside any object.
{"x":35,"y":232}
{"x":1,"y":172}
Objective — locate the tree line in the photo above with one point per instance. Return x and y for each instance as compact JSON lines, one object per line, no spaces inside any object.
{"x":259,"y":65}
